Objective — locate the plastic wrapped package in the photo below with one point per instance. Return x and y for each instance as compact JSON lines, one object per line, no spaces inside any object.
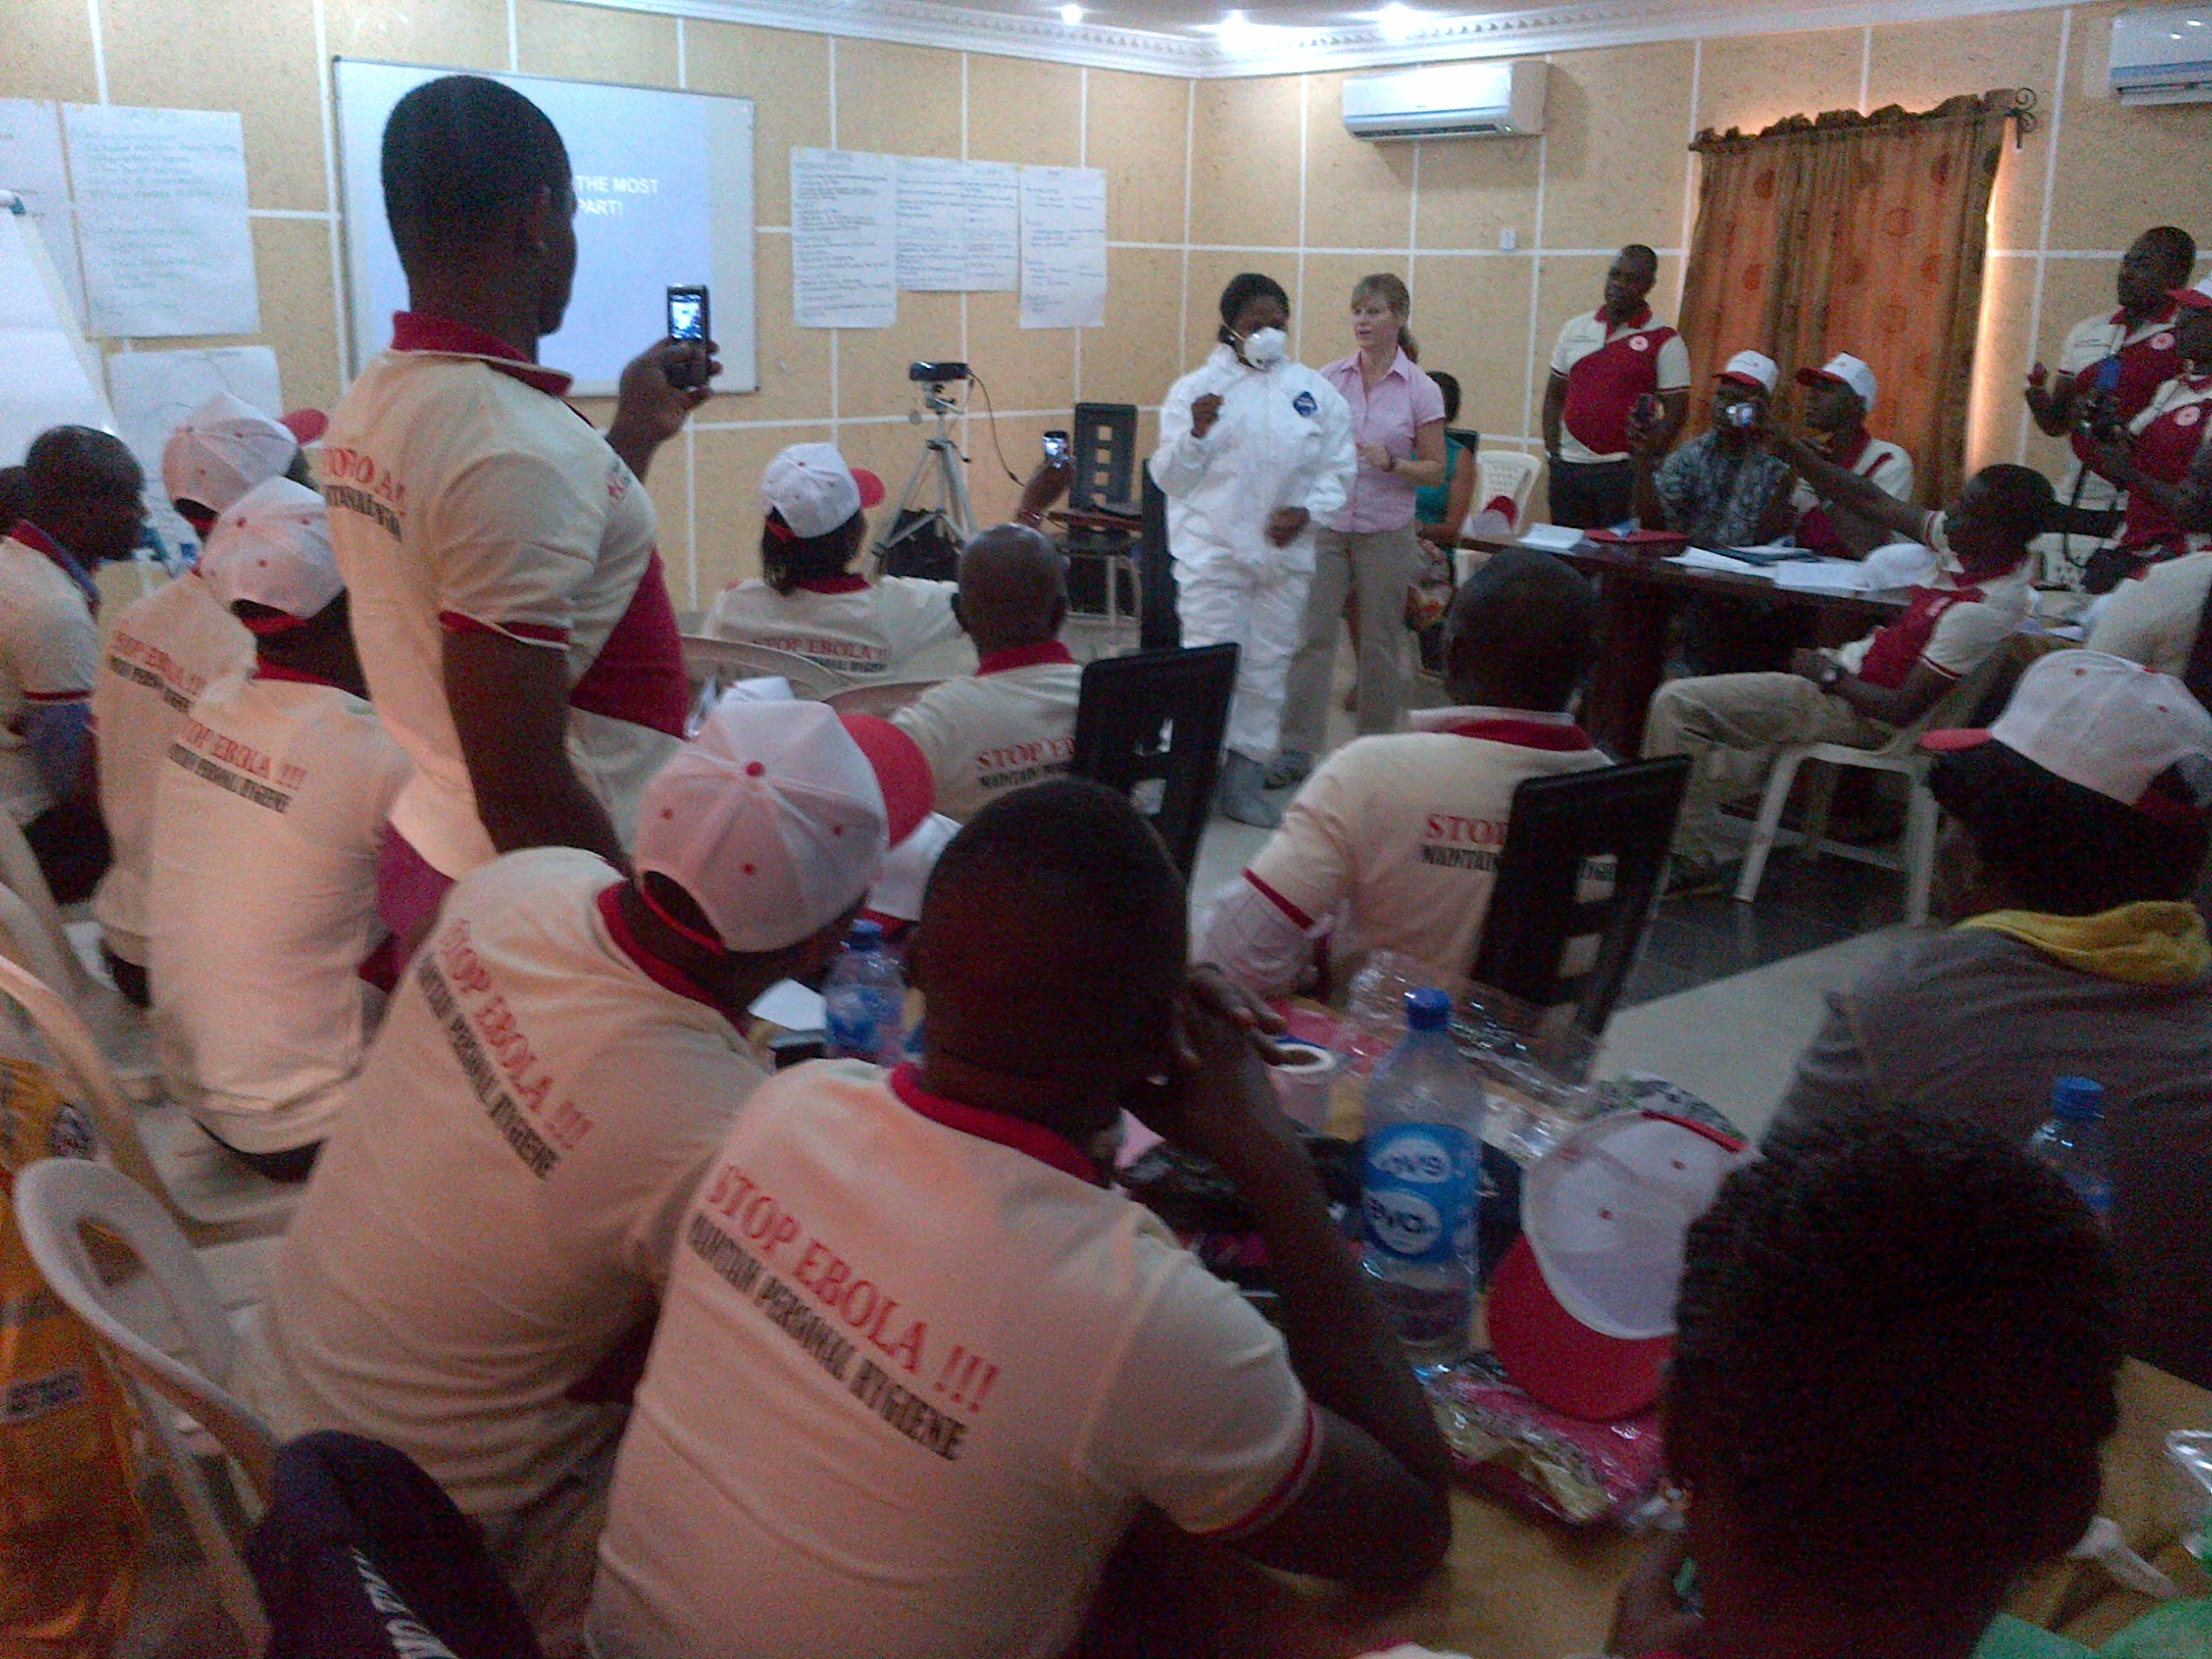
{"x":2189,"y":1451}
{"x":1585,"y":1474}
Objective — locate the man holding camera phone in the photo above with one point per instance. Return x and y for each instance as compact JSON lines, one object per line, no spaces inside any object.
{"x":508,"y":597}
{"x":1720,"y":489}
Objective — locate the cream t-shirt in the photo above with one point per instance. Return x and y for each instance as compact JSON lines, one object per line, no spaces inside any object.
{"x":2153,"y":621}
{"x":163,"y":650}
{"x":898,"y":628}
{"x":916,"y":1371}
{"x":262,"y":902}
{"x":1396,"y":838}
{"x":49,"y":654}
{"x":1010,"y":724}
{"x":498,"y":1205}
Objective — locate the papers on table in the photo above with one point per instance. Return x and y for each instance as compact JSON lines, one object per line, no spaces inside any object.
{"x":153,"y":390}
{"x":1699,"y":558}
{"x":1063,"y":247}
{"x":791,"y":1005}
{"x":1825,"y":576}
{"x":844,"y":240}
{"x":959,"y":225}
{"x":51,"y":378}
{"x":1551,"y":538}
{"x":162,"y":219}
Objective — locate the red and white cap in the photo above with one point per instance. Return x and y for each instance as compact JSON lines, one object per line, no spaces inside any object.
{"x":1844,"y":370}
{"x":1754,"y":370}
{"x":776,"y":816}
{"x":2197,"y":296}
{"x":1581,"y":1310}
{"x":225,"y":446}
{"x":271,"y":547}
{"x":2100,"y":722}
{"x":897,"y":894}
{"x":813,"y":491}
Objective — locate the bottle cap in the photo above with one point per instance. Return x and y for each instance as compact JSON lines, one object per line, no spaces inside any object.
{"x":865,"y":935}
{"x":1428,"y":1010}
{"x":2077,"y":1100}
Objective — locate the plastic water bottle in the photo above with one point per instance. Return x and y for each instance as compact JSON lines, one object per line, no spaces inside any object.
{"x":2073,"y":1140}
{"x":865,"y":1001}
{"x":1422,"y":1182}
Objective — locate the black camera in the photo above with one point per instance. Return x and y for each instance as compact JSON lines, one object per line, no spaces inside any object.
{"x":936,"y":374}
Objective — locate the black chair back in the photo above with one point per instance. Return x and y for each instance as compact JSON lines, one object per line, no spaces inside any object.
{"x":1160,"y":625}
{"x":1103,"y":444}
{"x":1150,"y":726}
{"x":1577,"y":880}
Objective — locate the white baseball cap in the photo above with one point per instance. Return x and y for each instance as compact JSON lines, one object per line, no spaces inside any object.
{"x":1582,"y":1312}
{"x":776,"y":816}
{"x":1845,"y":370}
{"x":2100,"y":722}
{"x":812,"y":490}
{"x":225,"y":446}
{"x":1753,"y":368}
{"x":271,"y":547}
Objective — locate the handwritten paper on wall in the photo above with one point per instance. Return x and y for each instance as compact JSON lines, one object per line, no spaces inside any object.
{"x":153,"y":390}
{"x":959,"y":225}
{"x":1063,"y":247}
{"x":30,"y":165}
{"x":844,"y":240}
{"x":49,"y":379}
{"x":162,"y":219}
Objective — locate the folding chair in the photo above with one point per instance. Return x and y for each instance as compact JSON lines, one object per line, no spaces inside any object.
{"x":720,"y":661}
{"x":213,"y":1196}
{"x":55,"y":1199}
{"x":1103,"y":444}
{"x":879,"y":700}
{"x":1916,"y":858}
{"x":1577,"y":880}
{"x":32,"y":932}
{"x":1150,"y":726}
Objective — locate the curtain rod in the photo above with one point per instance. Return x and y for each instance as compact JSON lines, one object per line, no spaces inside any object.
{"x":2013,"y":104}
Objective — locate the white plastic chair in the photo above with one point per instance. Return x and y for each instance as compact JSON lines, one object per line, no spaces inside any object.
{"x":120,"y":1028}
{"x":879,"y":700}
{"x":725,"y":660}
{"x":1507,"y":473}
{"x":213,"y":1196}
{"x":54,"y":1200}
{"x":1901,"y":754}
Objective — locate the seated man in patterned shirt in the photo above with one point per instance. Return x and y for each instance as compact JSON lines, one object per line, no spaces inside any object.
{"x":1720,"y":489}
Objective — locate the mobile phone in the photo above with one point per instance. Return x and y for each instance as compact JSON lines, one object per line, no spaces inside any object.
{"x":1056,"y":446}
{"x":687,"y":319}
{"x":1745,"y":415}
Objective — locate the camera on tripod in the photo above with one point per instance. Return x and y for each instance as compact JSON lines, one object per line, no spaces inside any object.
{"x":932,"y":520}
{"x":936,"y":374}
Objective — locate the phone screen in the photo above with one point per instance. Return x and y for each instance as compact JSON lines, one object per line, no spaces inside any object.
{"x":1056,"y":446}
{"x":687,"y":314}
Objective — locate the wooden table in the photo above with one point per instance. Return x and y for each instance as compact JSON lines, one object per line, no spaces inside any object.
{"x":1636,"y":596}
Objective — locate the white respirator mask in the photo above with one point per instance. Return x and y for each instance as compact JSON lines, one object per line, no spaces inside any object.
{"x":1265,"y":348}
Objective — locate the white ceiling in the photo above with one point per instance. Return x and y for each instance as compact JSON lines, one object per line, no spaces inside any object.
{"x":1188,"y":37}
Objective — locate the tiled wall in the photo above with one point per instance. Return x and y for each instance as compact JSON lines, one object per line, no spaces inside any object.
{"x":1204,"y":179}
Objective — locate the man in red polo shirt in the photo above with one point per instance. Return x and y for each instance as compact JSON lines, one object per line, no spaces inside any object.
{"x":2151,"y":456}
{"x":1863,"y":693}
{"x":1605,"y":363}
{"x":508,"y":598}
{"x":2118,"y":358}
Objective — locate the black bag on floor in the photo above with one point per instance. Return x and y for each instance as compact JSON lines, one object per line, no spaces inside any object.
{"x":918,"y":549}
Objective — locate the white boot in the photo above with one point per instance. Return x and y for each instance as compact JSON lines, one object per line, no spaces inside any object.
{"x":1238,"y":794}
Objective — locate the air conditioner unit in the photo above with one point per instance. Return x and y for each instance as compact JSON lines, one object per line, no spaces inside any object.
{"x":2163,"y":55}
{"x":1453,"y":100}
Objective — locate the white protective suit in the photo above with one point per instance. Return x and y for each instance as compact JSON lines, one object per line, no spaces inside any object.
{"x":1283,"y":439}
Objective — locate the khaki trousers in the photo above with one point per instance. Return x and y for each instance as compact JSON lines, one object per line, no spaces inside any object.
{"x":1377,"y":565}
{"x":1729,"y":725}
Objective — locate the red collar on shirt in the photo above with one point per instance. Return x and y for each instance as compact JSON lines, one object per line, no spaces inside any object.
{"x":264,"y":669}
{"x":1525,"y":733}
{"x":2165,"y":314}
{"x":1019,"y":1133}
{"x":1013,"y":657}
{"x":845,"y":584}
{"x":665,"y":975}
{"x":1641,"y":319}
{"x":422,"y":331}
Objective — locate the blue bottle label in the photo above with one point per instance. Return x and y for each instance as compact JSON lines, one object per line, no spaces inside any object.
{"x":1419,"y":1185}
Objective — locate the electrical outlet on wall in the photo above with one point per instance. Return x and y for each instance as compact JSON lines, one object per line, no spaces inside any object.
{"x":1508,"y":239}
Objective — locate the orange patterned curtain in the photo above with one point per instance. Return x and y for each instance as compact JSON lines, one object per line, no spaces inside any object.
{"x":1854,"y":234}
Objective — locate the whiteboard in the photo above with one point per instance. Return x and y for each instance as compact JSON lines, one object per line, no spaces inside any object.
{"x":664,"y":197}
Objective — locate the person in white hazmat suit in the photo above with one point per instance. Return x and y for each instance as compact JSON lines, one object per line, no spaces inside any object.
{"x":1255,"y":452}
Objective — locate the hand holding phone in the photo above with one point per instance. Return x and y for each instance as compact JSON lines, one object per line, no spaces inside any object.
{"x":688,"y":321}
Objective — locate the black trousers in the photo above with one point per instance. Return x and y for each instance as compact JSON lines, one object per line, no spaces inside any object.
{"x":70,"y":843}
{"x":1591,"y":495}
